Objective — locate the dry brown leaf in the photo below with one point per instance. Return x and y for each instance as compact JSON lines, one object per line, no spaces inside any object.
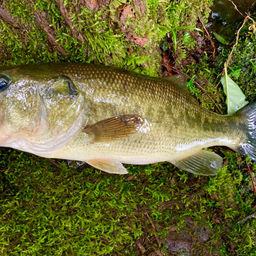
{"x":130,"y":178}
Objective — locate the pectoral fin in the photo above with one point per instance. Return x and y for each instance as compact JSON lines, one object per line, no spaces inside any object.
{"x":114,"y":128}
{"x":108,"y":166}
{"x":202,"y":163}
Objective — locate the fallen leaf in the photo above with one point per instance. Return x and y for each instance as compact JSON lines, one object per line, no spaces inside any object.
{"x":220,"y":38}
{"x":92,"y":5}
{"x":130,"y":178}
{"x":172,"y":182}
{"x":225,"y":162}
{"x":166,"y":62}
{"x":141,"y":41}
{"x":235,"y":98}
{"x":172,"y":229}
{"x":141,"y":247}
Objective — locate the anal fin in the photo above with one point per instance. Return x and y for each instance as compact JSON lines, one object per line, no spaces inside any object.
{"x":201,"y":163}
{"x":107,"y":166}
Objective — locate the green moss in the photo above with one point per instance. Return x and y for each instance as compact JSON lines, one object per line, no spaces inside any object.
{"x":106,"y":39}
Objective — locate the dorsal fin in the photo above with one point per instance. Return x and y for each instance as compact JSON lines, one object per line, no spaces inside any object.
{"x":178,"y":80}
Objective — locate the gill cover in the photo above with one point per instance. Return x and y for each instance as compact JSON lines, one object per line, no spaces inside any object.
{"x":39,"y":115}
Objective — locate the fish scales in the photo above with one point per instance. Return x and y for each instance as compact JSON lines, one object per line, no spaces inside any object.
{"x":107,"y":116}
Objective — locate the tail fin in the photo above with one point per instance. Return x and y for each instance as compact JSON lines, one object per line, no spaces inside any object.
{"x":249,"y":147}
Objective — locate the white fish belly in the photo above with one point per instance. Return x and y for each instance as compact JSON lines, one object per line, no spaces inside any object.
{"x":140,"y":148}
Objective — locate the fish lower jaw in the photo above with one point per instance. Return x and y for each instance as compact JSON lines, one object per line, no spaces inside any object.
{"x":41,"y":149}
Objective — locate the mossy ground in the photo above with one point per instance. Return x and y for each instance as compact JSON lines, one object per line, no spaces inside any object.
{"x":155,"y":210}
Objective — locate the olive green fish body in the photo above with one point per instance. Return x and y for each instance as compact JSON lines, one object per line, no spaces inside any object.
{"x":108,"y":116}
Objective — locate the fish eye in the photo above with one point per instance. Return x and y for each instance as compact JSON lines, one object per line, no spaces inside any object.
{"x":5,"y":81}
{"x":72,"y":89}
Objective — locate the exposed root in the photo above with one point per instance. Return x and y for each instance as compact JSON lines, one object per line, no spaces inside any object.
{"x":43,"y":23}
{"x":65,"y":15}
{"x":7,"y":17}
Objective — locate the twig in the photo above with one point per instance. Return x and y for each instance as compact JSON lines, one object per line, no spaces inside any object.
{"x":247,"y":218}
{"x":250,"y":172}
{"x":54,"y":163}
{"x":203,"y":91}
{"x":217,"y":84}
{"x":235,"y":7}
{"x":153,"y":226}
{"x":237,"y":38}
{"x":208,"y":35}
{"x":253,"y":27}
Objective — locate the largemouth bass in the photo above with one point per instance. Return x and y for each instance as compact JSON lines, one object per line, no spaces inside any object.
{"x":108,"y":116}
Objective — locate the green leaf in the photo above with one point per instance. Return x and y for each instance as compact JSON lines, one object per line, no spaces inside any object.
{"x":235,"y":73}
{"x":174,"y":40}
{"x":220,"y":38}
{"x":235,"y":98}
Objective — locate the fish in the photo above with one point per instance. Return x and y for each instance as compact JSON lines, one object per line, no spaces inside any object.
{"x":107,"y":117}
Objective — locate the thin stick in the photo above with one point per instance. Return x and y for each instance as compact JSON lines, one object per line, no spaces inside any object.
{"x":235,"y":7}
{"x":250,"y":172}
{"x":252,"y":27}
{"x":153,"y":226}
{"x":247,"y":218}
{"x":237,"y":35}
{"x":208,"y":35}
{"x":217,"y":84}
{"x":53,"y":162}
{"x":237,"y":38}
